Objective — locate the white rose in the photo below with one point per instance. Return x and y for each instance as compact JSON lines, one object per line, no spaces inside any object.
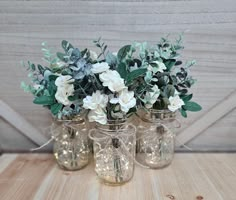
{"x":65,"y":88}
{"x":61,"y":81}
{"x":97,"y":115}
{"x":151,"y":97}
{"x":126,"y":100}
{"x":112,"y":80}
{"x":93,"y":55}
{"x":100,"y":67}
{"x":95,"y":101}
{"x":175,"y":103}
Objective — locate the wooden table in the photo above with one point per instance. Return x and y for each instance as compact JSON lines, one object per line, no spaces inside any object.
{"x":190,"y":177}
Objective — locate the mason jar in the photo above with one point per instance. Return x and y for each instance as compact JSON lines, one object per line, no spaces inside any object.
{"x":71,"y":146}
{"x":114,"y":151}
{"x":155,"y":137}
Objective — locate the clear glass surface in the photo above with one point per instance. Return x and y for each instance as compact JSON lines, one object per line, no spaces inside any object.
{"x":71,"y":146}
{"x":155,"y":138}
{"x":114,"y":152}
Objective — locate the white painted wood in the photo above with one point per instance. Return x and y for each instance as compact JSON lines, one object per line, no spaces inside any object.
{"x":209,"y":118}
{"x":210,"y":38}
{"x":16,"y":120}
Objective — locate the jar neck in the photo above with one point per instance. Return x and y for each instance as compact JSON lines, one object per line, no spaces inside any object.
{"x":157,"y":116}
{"x":111,"y":125}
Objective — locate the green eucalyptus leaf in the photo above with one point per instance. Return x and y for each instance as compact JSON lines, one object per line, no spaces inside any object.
{"x":122,"y":53}
{"x":55,"y":108}
{"x":135,"y":74}
{"x":44,"y":100}
{"x":66,"y":45}
{"x":41,"y":69}
{"x":84,"y":52}
{"x":62,"y":56}
{"x":187,"y":97}
{"x":52,"y":77}
{"x":111,"y":59}
{"x":122,"y":70}
{"x":183,"y":112}
{"x":192,"y":106}
{"x":169,"y":64}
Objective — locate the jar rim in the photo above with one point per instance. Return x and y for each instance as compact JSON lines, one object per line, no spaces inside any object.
{"x":156,"y":115}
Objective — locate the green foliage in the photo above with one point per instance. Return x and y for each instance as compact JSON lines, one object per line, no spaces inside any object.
{"x":186,"y":98}
{"x":102,"y":46}
{"x":140,"y":65}
{"x":123,"y":52}
{"x":169,"y":64}
{"x":27,"y":88}
{"x":122,"y":70}
{"x":169,"y":91}
{"x":135,"y":74}
{"x":55,"y":108}
{"x":66,"y":45}
{"x":111,"y":59}
{"x":44,"y":100}
{"x":192,"y":106}
{"x":183,"y":112}
{"x":49,"y":56}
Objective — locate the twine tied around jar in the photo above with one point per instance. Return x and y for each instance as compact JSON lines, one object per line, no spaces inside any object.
{"x":55,"y":129}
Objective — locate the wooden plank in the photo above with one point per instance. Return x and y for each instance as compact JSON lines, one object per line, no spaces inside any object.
{"x":211,"y":176}
{"x":210,"y":38}
{"x":22,"y":178}
{"x":209,"y":118}
{"x":16,"y":120}
{"x":221,"y":177}
{"x":6,"y":160}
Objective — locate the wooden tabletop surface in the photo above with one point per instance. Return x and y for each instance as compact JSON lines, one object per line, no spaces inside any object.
{"x":189,"y":177}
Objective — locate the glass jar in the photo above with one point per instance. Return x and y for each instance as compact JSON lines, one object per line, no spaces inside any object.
{"x":155,"y":137}
{"x":71,"y":147}
{"x":114,"y":151}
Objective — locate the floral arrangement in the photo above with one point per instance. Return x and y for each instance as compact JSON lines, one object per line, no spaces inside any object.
{"x":166,"y":82}
{"x":112,"y":85}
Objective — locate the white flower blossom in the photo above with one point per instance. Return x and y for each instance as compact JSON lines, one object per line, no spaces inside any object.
{"x":65,"y":88}
{"x":97,"y":115}
{"x":126,"y":100}
{"x":100,"y":67}
{"x":175,"y":103}
{"x":61,"y":81}
{"x":151,"y":97}
{"x":97,"y":100}
{"x":112,"y":80}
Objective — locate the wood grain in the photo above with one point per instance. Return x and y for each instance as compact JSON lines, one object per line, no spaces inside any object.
{"x":210,"y":38}
{"x":36,"y":176}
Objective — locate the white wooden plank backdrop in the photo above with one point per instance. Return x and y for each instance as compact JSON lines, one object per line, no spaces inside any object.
{"x":210,"y":38}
